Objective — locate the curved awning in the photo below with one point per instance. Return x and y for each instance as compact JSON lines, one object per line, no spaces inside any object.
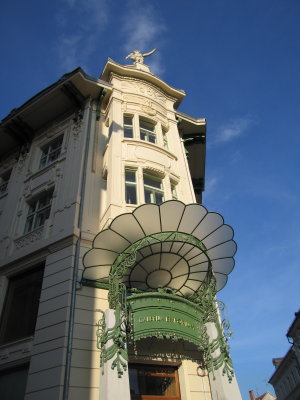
{"x":171,"y":245}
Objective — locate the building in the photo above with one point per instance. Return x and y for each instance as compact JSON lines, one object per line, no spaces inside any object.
{"x":286,"y":378}
{"x":265,"y":396}
{"x":107,"y":255}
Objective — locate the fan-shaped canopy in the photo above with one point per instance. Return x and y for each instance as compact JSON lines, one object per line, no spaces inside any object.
{"x":170,"y":245}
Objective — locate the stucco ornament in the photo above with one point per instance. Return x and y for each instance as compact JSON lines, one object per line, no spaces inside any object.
{"x":138,"y":57}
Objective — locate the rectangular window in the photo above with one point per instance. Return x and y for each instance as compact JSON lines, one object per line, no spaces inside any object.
{"x":147,"y":131}
{"x":39,"y":211}
{"x":165,"y":139}
{"x":128,"y":127}
{"x":174,"y":191}
{"x":51,"y":152}
{"x":153,"y":189}
{"x":130,"y":186}
{"x":153,"y":382}
{"x":13,"y":383}
{"x":4,"y":182}
{"x":21,"y":305}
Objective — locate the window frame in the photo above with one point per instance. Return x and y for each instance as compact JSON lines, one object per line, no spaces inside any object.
{"x":47,"y":151}
{"x":23,"y":291}
{"x":154,"y":190}
{"x":128,"y":127}
{"x":35,"y":211}
{"x":131,"y":184}
{"x":148,"y":133}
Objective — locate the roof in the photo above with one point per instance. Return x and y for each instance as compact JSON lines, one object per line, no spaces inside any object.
{"x":65,"y":95}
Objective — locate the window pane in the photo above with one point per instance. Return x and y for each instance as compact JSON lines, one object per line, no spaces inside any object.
{"x":153,"y":381}
{"x":151,"y":138}
{"x":130,"y":176}
{"x":147,"y":125}
{"x":21,"y":305}
{"x":131,"y":194}
{"x":127,"y":120}
{"x":159,"y":198}
{"x":152,"y":182}
{"x":13,"y":383}
{"x":128,"y":132}
{"x":148,"y":195}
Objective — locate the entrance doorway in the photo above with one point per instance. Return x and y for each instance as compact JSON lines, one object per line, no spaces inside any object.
{"x":153,"y":382}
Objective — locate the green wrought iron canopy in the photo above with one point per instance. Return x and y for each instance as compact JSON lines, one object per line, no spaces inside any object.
{"x":171,"y":245}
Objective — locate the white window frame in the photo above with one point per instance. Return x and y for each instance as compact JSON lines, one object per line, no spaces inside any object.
{"x":129,"y":183}
{"x":50,"y":154}
{"x":127,"y":126}
{"x":146,"y":132}
{"x":154,"y":190}
{"x":36,"y":210}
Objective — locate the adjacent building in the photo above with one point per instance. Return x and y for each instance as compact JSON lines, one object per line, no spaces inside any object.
{"x":286,"y":378}
{"x":109,"y":263}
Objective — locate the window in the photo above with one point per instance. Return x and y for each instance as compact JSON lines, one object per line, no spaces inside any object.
{"x":153,"y":189}
{"x":173,"y":191}
{"x":4,"y":182}
{"x":153,"y":382}
{"x":128,"y":127}
{"x":165,"y":140}
{"x":147,"y":131}
{"x":13,"y":383}
{"x":51,"y":152}
{"x":21,"y":305}
{"x":130,"y":186}
{"x":39,"y":211}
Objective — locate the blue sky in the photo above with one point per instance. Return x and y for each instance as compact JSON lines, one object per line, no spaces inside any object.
{"x":239,"y":63}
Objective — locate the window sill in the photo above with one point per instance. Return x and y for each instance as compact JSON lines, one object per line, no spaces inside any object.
{"x":43,"y":170}
{"x":29,"y":237}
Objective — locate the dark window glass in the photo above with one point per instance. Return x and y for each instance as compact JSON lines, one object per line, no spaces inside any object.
{"x":21,"y":305}
{"x":128,"y":127}
{"x":147,"y":131}
{"x":158,"y":381}
{"x":153,"y":190}
{"x":51,"y":152}
{"x":4,"y":182}
{"x":130,"y":187}
{"x":38,"y":212}
{"x":13,"y":383}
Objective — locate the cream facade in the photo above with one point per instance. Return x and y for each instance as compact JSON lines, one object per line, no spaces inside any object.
{"x":74,"y":157}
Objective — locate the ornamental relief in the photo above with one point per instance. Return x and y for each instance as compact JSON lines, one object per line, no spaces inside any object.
{"x":138,"y":104}
{"x":145,"y":90}
{"x":31,"y":237}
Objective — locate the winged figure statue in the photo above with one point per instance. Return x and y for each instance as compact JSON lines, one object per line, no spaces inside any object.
{"x":138,"y":57}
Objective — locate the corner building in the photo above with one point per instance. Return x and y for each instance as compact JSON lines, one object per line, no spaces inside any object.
{"x":109,"y":262}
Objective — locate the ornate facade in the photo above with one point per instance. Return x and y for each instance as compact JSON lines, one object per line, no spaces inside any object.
{"x":109,"y":262}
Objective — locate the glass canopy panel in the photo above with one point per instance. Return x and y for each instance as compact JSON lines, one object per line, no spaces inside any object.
{"x":224,"y":265}
{"x":127,"y":226}
{"x":223,"y":250}
{"x":218,"y":235}
{"x":110,"y":240}
{"x":157,"y":245}
{"x":171,"y":214}
{"x":148,"y":218}
{"x":192,"y":216}
{"x":210,"y":222}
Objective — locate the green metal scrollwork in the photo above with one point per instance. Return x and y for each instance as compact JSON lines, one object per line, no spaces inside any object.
{"x":128,"y":257}
{"x":112,"y":342}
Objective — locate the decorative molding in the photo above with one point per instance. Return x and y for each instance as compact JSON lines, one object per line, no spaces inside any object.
{"x":29,"y":238}
{"x":145,"y":90}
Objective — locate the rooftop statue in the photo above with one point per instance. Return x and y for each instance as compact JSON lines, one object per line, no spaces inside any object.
{"x":138,"y":57}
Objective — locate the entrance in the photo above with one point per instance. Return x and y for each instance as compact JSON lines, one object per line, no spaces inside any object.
{"x":153,"y":382}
